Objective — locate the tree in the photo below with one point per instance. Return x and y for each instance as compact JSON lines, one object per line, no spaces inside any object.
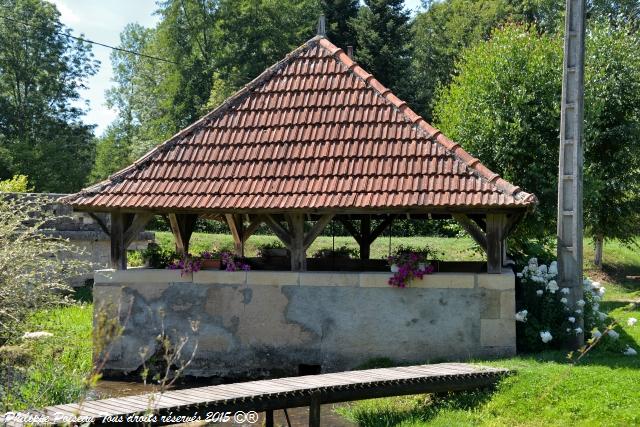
{"x":612,"y":134}
{"x":256,"y":34}
{"x":35,"y":268}
{"x":139,"y":98}
{"x":210,"y":49}
{"x":383,"y":39}
{"x":440,"y":33}
{"x":113,"y":153}
{"x":186,"y":36}
{"x":339,"y":14}
{"x":41,"y":72}
{"x":446,"y":27}
{"x":504,"y":108}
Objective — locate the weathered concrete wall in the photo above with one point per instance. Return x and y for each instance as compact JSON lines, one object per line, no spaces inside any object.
{"x":262,"y":323}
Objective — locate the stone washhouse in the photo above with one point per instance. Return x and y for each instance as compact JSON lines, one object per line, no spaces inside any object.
{"x":313,"y":139}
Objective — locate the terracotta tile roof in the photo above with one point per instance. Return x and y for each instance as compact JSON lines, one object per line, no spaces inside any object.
{"x":315,"y":131}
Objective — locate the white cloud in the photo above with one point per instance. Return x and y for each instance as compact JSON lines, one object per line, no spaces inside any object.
{"x":67,"y":15}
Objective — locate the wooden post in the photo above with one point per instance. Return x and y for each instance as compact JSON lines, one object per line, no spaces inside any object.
{"x":241,"y":233}
{"x":496,"y":225}
{"x":365,"y":236}
{"x":365,"y":240}
{"x":298,"y":251}
{"x":237,"y":231}
{"x":118,"y":250}
{"x":570,"y":220}
{"x":268,"y":418}
{"x":473,"y":229}
{"x":314,"y":411}
{"x":182,"y":227}
{"x":295,"y":239}
{"x":124,"y":229}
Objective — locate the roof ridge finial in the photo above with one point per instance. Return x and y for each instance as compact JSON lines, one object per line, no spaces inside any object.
{"x":322,"y":31}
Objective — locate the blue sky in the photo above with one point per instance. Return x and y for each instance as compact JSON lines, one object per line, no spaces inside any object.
{"x":102,"y":21}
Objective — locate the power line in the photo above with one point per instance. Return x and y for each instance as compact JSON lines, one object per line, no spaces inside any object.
{"x":143,"y":55}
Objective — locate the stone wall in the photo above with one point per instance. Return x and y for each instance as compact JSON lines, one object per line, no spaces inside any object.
{"x":82,"y":229}
{"x":266,"y":323}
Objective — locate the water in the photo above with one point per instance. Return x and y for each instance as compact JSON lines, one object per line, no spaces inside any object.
{"x":298,"y":416}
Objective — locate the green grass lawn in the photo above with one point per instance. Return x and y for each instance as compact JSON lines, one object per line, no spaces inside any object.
{"x":461,"y":249}
{"x":50,"y":370}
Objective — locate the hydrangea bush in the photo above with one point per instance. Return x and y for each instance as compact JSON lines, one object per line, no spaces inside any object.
{"x":545,"y":319}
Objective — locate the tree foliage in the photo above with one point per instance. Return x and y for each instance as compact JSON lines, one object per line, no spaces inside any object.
{"x":339,"y":15}
{"x":612,"y":132}
{"x":383,"y":43}
{"x":446,"y":27}
{"x":17,"y":184}
{"x":504,"y":107}
{"x":212,"y":48}
{"x":41,"y":72}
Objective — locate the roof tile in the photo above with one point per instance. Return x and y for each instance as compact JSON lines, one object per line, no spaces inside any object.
{"x":314,"y":131}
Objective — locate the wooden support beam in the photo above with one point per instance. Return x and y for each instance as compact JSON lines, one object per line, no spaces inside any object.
{"x":315,"y":231}
{"x":182,"y":226}
{"x":139,"y":221}
{"x":473,"y":229}
{"x":118,"y":250}
{"x":496,"y":226}
{"x":237,"y":231}
{"x":100,"y":223}
{"x":241,"y":233}
{"x":348,"y":225}
{"x":381,"y":227}
{"x":278,"y":230}
{"x":365,"y":236}
{"x":254,"y":223}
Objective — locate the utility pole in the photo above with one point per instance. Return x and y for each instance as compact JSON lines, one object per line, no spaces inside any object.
{"x":570,"y":220}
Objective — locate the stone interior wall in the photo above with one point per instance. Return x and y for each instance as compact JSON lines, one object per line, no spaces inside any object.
{"x":266,"y":323}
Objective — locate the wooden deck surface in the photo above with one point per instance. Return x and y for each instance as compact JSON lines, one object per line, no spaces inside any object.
{"x":269,"y":395}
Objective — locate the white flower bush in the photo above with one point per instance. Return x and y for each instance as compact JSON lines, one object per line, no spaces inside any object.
{"x":630,"y":351}
{"x":521,"y":316}
{"x":546,"y":336}
{"x":632,"y":321}
{"x":546,"y":317}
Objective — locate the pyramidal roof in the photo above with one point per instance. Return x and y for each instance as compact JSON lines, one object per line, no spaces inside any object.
{"x":313,"y":132}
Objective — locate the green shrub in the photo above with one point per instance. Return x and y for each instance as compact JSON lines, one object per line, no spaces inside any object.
{"x":35,"y":268}
{"x":339,"y":252}
{"x":17,"y":184}
{"x":545,"y":319}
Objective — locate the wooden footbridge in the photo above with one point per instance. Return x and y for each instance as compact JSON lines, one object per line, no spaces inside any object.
{"x":196,"y":404}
